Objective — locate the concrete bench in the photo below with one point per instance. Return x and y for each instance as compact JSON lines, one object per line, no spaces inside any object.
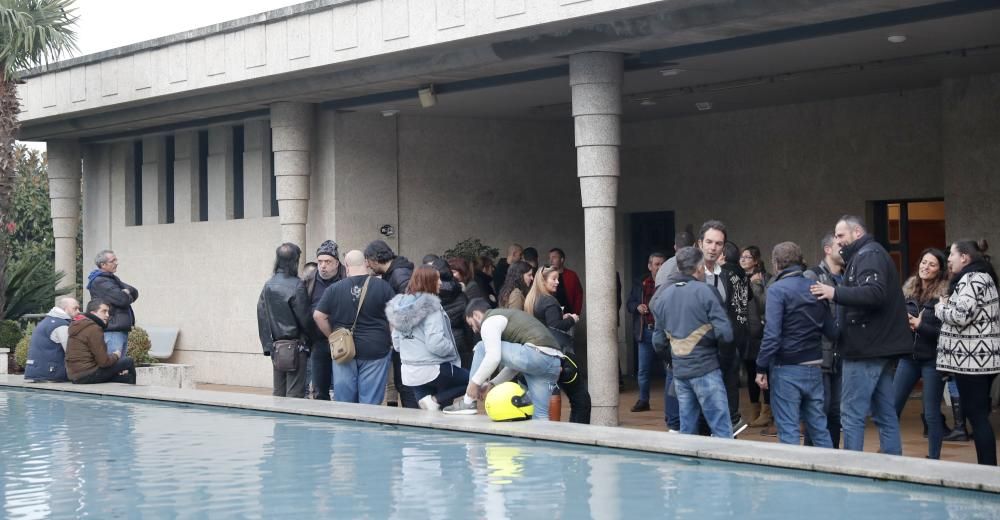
{"x":161,"y":340}
{"x":3,"y":360}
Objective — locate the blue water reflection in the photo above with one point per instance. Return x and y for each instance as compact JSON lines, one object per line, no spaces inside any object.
{"x":69,"y":456}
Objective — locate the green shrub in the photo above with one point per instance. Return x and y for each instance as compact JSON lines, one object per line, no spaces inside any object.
{"x":471,"y":249}
{"x":32,"y":286}
{"x":10,"y":334}
{"x":138,"y":346}
{"x":21,"y":351}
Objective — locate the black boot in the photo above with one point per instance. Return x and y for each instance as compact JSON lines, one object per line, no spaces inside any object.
{"x":959,"y":433}
{"x":923,"y":420}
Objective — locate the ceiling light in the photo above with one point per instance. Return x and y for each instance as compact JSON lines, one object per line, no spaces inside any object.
{"x":670,"y":72}
{"x":389,"y":112}
{"x":646,"y":102}
{"x":897,"y":38}
{"x":703,"y":105}
{"x":427,"y":96}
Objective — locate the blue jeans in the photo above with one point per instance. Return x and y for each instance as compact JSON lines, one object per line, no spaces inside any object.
{"x":116,"y":342}
{"x":360,"y":380}
{"x":908,"y":372}
{"x":704,"y":395}
{"x":797,"y":394}
{"x":647,"y":356}
{"x":671,"y":408}
{"x":540,"y":372}
{"x":868,"y":386}
{"x":450,"y":383}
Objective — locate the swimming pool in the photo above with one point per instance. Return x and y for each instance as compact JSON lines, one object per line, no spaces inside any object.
{"x":59,"y":459}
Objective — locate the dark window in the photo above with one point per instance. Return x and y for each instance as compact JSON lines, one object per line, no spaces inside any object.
{"x":203,"y":175}
{"x":169,"y":150}
{"x":274,"y":180}
{"x":238,"y":171}
{"x":137,"y":183}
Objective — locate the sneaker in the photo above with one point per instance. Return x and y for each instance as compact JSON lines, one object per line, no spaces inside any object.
{"x":460,"y":408}
{"x":739,"y":427}
{"x":641,"y":406}
{"x":428,"y":403}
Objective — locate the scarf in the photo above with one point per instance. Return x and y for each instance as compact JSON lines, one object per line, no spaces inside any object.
{"x":95,"y":319}
{"x":976,"y":266}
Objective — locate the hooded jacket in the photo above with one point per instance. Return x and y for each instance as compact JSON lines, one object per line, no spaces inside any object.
{"x":108,"y":288}
{"x":691,"y":314}
{"x":872,"y":318}
{"x":86,"y":350}
{"x":421,"y":331}
{"x":398,"y":274}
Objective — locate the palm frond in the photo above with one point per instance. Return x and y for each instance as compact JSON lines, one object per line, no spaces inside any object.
{"x":33,"y":32}
{"x":32,"y":287}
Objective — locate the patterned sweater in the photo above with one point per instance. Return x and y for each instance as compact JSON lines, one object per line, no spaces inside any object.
{"x":970,"y":327}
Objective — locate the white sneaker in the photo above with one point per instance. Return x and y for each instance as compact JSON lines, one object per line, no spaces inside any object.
{"x":428,"y":403}
{"x":460,"y":407}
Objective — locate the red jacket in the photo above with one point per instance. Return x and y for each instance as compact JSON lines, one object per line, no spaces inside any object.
{"x":574,"y":290}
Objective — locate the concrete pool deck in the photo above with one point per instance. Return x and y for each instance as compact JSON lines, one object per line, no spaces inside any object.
{"x":858,"y":464}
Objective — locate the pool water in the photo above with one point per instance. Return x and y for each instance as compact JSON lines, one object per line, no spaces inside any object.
{"x":72,"y":456}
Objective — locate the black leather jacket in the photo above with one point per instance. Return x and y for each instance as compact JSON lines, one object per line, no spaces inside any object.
{"x":283,"y":311}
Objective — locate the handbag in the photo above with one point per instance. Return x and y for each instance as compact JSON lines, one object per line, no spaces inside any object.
{"x":341,"y":340}
{"x":285,"y":355}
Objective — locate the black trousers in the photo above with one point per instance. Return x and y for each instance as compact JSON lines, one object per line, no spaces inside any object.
{"x":406,"y":396}
{"x":579,"y":398}
{"x":729,"y":361}
{"x":111,"y":374}
{"x":322,"y":369}
{"x":975,"y":394}
{"x":291,"y":384}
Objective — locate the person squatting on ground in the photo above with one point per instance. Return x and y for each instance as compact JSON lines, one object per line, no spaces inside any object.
{"x":791,"y":352}
{"x":922,"y":292}
{"x":542,"y":305}
{"x":87,"y":358}
{"x":643,"y":325}
{"x":516,"y":343}
{"x":829,"y":272}
{"x":421,"y":332}
{"x":873,"y":334}
{"x":105,"y":285}
{"x":691,"y":314}
{"x":454,"y":301}
{"x":969,"y":343}
{"x":47,"y":347}
{"x":329,"y":271}
{"x":396,"y":270}
{"x":358,"y":303}
{"x":283,"y":315}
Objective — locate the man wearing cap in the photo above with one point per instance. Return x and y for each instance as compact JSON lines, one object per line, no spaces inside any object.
{"x":329,"y":271}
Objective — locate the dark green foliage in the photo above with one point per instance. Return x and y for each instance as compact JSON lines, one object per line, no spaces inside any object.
{"x":10,"y":334}
{"x":21,"y":351}
{"x":471,"y":249}
{"x":138,"y":345}
{"x":31,"y":288}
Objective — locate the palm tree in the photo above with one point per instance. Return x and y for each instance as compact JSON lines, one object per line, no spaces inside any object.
{"x":31,"y":32}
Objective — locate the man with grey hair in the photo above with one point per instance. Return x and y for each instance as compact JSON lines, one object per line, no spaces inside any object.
{"x":874,"y":332}
{"x":105,"y":285}
{"x":47,"y":349}
{"x":791,"y":352}
{"x":691,"y":314}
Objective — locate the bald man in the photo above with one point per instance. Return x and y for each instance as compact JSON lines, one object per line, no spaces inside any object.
{"x":47,"y":350}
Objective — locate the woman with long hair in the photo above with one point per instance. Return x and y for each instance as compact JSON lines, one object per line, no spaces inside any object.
{"x":750,"y":262}
{"x":464,"y":273}
{"x":515,"y":288}
{"x":542,"y":304}
{"x":421,"y":332}
{"x":969,"y":344}
{"x":923,"y":291}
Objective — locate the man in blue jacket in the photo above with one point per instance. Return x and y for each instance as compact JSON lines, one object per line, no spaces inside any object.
{"x":691,"y":314}
{"x":104,"y":284}
{"x":792,"y":350}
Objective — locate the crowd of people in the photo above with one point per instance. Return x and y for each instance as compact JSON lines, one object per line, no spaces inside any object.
{"x":823,"y":347}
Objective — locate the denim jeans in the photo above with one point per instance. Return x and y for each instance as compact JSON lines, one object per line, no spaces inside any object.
{"x":797,"y":395}
{"x":832,"y":388}
{"x":361,"y":380}
{"x":647,"y":356}
{"x":450,"y":383}
{"x":116,"y":342}
{"x":706,"y":395}
{"x":908,"y":372}
{"x":540,"y":372}
{"x":868,"y":386}
{"x":671,"y":408}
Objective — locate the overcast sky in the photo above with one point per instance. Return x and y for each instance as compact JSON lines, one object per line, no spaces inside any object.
{"x":106,"y":24}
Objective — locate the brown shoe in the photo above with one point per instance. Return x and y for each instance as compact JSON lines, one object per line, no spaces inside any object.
{"x":764,"y":419}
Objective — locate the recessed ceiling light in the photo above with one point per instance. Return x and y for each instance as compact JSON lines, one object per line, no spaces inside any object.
{"x":897,"y":38}
{"x":647,"y":102}
{"x":389,"y":112}
{"x":670,"y":72}
{"x":703,"y":105}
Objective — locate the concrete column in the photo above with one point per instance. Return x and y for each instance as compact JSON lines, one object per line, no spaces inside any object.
{"x":220,"y":173}
{"x":64,"y":196}
{"x":596,"y":82}
{"x":257,"y":175}
{"x":291,"y":140}
{"x":154,"y":181}
{"x":187,"y":191}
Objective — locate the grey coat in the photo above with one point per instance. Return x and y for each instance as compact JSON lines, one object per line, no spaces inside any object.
{"x":421,"y":330}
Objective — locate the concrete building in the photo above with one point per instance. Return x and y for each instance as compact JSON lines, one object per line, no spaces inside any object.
{"x":599,"y":126}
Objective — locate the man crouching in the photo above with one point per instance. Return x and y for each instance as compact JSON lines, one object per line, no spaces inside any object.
{"x":692,"y":316}
{"x":87,"y":358}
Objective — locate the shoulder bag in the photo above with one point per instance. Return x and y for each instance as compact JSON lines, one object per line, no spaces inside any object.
{"x":341,"y":340}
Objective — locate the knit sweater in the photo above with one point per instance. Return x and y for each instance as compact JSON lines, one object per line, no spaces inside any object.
{"x":970,"y":331}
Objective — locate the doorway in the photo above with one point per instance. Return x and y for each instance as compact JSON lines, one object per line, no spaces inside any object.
{"x":906,"y":228}
{"x":649,"y":232}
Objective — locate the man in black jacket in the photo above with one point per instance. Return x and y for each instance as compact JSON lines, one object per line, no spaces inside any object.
{"x":396,"y":270}
{"x":105,"y":285}
{"x":874,"y":333}
{"x":329,"y":271}
{"x":283,"y":315}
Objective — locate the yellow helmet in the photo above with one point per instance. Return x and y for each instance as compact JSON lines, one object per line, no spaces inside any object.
{"x":509,"y":402}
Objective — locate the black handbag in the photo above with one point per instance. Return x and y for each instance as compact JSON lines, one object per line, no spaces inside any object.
{"x":285,"y":355}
